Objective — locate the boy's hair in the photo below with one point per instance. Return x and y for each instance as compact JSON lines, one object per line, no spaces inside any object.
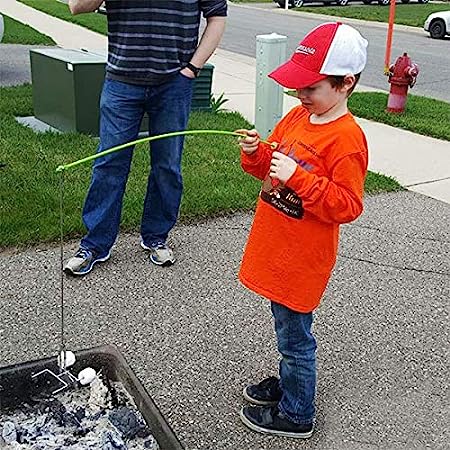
{"x":337,"y":81}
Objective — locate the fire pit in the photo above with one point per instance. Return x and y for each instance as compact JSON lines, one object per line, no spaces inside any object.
{"x":133,"y":420}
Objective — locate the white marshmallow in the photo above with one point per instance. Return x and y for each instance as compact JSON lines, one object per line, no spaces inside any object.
{"x":67,"y":360}
{"x":87,"y":376}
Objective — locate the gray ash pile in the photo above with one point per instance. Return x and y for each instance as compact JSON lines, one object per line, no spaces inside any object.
{"x":102,"y":416}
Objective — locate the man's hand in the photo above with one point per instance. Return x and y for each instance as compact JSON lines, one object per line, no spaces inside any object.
{"x":282,"y":167}
{"x":187,"y":73}
{"x":249,"y":144}
{"x":84,"y":6}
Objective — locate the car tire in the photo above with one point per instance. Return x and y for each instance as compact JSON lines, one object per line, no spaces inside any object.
{"x":384,"y":2}
{"x":367,"y":2}
{"x":297,"y":3}
{"x":342,"y":2}
{"x":423,"y":1}
{"x":405,"y":1}
{"x":437,"y":29}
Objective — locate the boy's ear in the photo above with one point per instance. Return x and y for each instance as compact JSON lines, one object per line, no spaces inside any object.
{"x":349,"y":82}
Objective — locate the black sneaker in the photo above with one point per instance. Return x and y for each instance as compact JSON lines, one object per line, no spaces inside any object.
{"x":266,"y":393}
{"x":266,"y":419}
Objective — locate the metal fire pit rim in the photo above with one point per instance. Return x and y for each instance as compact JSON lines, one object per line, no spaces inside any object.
{"x":162,"y":431}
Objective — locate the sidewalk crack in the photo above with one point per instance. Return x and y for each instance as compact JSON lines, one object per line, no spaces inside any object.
{"x":427,"y":182}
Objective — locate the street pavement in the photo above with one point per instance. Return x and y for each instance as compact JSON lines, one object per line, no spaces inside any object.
{"x":195,"y":337}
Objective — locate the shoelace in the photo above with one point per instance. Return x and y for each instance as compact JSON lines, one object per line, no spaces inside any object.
{"x":83,"y":253}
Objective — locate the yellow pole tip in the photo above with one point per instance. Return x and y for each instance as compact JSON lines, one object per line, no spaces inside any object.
{"x":273,"y":145}
{"x":60,"y":168}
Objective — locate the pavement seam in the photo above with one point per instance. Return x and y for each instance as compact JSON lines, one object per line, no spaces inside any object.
{"x":427,"y":182}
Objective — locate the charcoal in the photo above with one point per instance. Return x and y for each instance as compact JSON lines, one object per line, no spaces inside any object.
{"x":70,"y":441}
{"x":112,"y":441}
{"x":70,"y":420}
{"x":80,"y":413}
{"x":9,"y":433}
{"x":67,"y":422}
{"x":126,"y":421}
{"x":151,"y":444}
{"x":57,"y":411}
{"x":97,"y":415}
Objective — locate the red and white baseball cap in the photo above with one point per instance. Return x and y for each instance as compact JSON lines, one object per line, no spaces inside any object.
{"x":330,"y":49}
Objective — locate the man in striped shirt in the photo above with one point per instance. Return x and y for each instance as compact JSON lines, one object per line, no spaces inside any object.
{"x":153,"y":57}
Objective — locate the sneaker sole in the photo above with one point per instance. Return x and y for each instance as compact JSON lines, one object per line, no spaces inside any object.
{"x":78,"y":274}
{"x":259,"y":429}
{"x":254,"y":401}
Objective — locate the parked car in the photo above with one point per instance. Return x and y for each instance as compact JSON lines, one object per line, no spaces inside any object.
{"x":387,"y":2}
{"x":298,"y":3}
{"x":438,"y":24}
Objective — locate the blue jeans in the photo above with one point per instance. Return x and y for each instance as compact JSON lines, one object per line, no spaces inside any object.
{"x":122,"y":107}
{"x":297,"y":347}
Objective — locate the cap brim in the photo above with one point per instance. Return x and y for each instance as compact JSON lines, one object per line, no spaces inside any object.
{"x":293,"y":76}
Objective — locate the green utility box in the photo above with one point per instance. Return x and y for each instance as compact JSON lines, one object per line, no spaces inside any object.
{"x":67,"y":85}
{"x":66,"y":88}
{"x":201,"y":97}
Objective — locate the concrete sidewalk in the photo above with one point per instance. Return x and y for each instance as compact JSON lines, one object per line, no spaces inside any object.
{"x":420,"y":163}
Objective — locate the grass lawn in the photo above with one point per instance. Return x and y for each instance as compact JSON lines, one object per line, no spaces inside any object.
{"x":413,"y":14}
{"x":29,"y":198}
{"x":18,"y":33}
{"x":92,"y":21}
{"x":422,"y":115}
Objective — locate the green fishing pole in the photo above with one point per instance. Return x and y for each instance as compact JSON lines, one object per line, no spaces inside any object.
{"x":154,"y":138}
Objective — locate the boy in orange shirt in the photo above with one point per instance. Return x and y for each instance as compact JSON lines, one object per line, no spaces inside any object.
{"x":313,"y":182}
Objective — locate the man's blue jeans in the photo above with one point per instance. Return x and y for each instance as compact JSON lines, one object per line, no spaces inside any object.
{"x":297,"y":347}
{"x":122,"y":107}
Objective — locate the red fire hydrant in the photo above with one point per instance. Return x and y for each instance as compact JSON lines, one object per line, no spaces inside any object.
{"x":402,"y":75}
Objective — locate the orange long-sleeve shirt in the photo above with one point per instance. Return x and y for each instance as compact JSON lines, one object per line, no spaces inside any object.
{"x":292,"y":246}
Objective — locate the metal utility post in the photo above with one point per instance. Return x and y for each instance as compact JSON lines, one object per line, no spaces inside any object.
{"x":270,"y":53}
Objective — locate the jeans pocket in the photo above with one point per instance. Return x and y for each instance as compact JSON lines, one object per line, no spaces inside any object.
{"x":186,"y":77}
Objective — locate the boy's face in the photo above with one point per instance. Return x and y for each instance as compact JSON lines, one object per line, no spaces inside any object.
{"x":322,"y":96}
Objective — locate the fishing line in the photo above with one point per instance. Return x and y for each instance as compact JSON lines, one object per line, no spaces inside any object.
{"x":62,"y":350}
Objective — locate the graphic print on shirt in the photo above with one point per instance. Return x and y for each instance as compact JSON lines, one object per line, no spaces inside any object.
{"x":280,"y":196}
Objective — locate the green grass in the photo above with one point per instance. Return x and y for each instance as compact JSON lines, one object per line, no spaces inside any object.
{"x":413,"y":14}
{"x":18,"y":33}
{"x":92,"y":21}
{"x":29,"y":198}
{"x":422,"y":115}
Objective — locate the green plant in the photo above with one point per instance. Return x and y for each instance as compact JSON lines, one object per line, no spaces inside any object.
{"x":217,"y":102}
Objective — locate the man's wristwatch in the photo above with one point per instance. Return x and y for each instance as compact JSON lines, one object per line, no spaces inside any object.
{"x":193,"y":69}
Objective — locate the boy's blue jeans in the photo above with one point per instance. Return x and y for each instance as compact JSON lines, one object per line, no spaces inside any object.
{"x":122,"y":107}
{"x":297,"y":347}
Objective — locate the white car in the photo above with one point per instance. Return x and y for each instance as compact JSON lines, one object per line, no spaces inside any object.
{"x":438,"y":24}
{"x":2,"y":27}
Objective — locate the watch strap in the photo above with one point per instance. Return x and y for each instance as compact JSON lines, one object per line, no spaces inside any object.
{"x":193,"y":69}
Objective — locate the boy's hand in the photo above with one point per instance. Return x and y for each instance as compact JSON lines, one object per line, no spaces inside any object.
{"x":282,"y":167}
{"x":250,"y":143}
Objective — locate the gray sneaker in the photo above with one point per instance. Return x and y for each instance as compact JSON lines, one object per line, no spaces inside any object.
{"x":83,"y":261}
{"x":161,"y":254}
